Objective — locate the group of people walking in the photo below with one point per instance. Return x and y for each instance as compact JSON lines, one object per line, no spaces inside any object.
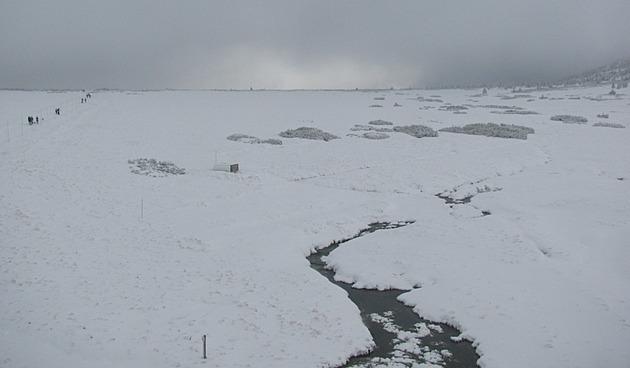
{"x":35,"y":120}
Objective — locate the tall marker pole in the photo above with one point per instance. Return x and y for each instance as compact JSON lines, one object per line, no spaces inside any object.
{"x":204,"y":347}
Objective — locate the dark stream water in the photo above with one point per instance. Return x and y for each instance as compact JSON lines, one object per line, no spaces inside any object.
{"x":402,"y":338}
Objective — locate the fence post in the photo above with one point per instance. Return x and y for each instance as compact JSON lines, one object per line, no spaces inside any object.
{"x":204,"y":347}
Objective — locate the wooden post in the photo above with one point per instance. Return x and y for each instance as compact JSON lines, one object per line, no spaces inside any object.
{"x":204,"y":347}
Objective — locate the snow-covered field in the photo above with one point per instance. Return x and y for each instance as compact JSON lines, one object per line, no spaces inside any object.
{"x":103,"y":267}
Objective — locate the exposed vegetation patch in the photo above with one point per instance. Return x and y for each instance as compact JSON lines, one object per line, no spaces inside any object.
{"x":609,"y":125}
{"x":492,"y":130}
{"x":308,"y":133}
{"x":359,"y":127}
{"x":376,"y":129}
{"x":422,"y":99}
{"x":417,"y":131}
{"x":487,"y":189}
{"x":375,"y":135}
{"x":453,"y":108}
{"x":505,"y":107}
{"x":515,"y":112}
{"x":243,"y":138}
{"x":570,"y":119}
{"x":380,"y":122}
{"x":516,"y":96}
{"x":152,"y":167}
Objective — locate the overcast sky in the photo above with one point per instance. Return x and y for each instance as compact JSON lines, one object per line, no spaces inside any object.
{"x":154,"y":44}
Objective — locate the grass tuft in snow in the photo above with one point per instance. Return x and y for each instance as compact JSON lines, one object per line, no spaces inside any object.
{"x":515,"y":112}
{"x":243,"y":138}
{"x":375,"y":135}
{"x":253,"y":140}
{"x":417,"y":131}
{"x":308,"y":133}
{"x":154,"y":168}
{"x":492,"y":130}
{"x":360,"y":127}
{"x":504,"y":107}
{"x":375,"y":125}
{"x":609,"y":125}
{"x":380,"y":122}
{"x":570,"y":119}
{"x":454,"y":108}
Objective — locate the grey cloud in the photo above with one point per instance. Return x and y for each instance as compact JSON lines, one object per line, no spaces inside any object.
{"x":311,"y":44}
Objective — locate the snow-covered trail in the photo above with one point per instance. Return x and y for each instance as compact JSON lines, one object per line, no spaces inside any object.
{"x":87,"y":279}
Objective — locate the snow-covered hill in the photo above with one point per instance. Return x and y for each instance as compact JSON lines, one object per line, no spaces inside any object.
{"x":101,"y":266}
{"x":617,"y":73}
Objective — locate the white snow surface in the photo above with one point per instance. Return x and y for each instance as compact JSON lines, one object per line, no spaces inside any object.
{"x":101,"y":267}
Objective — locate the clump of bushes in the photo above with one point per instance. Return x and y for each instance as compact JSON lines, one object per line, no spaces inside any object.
{"x":609,"y":125}
{"x":243,"y":138}
{"x":505,"y":107}
{"x":570,"y":119}
{"x":417,"y":131}
{"x":380,"y":122}
{"x":308,"y":133}
{"x":152,"y":167}
{"x":453,"y":108}
{"x":492,"y":130}
{"x":515,"y":112}
{"x":360,"y":127}
{"x":374,"y":125}
{"x":422,"y":99}
{"x":375,"y":135}
{"x":253,"y":140}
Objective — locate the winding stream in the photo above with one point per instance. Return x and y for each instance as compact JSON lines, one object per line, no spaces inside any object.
{"x":402,"y":338}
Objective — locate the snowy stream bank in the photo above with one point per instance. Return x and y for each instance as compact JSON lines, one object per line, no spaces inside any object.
{"x":400,"y":335}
